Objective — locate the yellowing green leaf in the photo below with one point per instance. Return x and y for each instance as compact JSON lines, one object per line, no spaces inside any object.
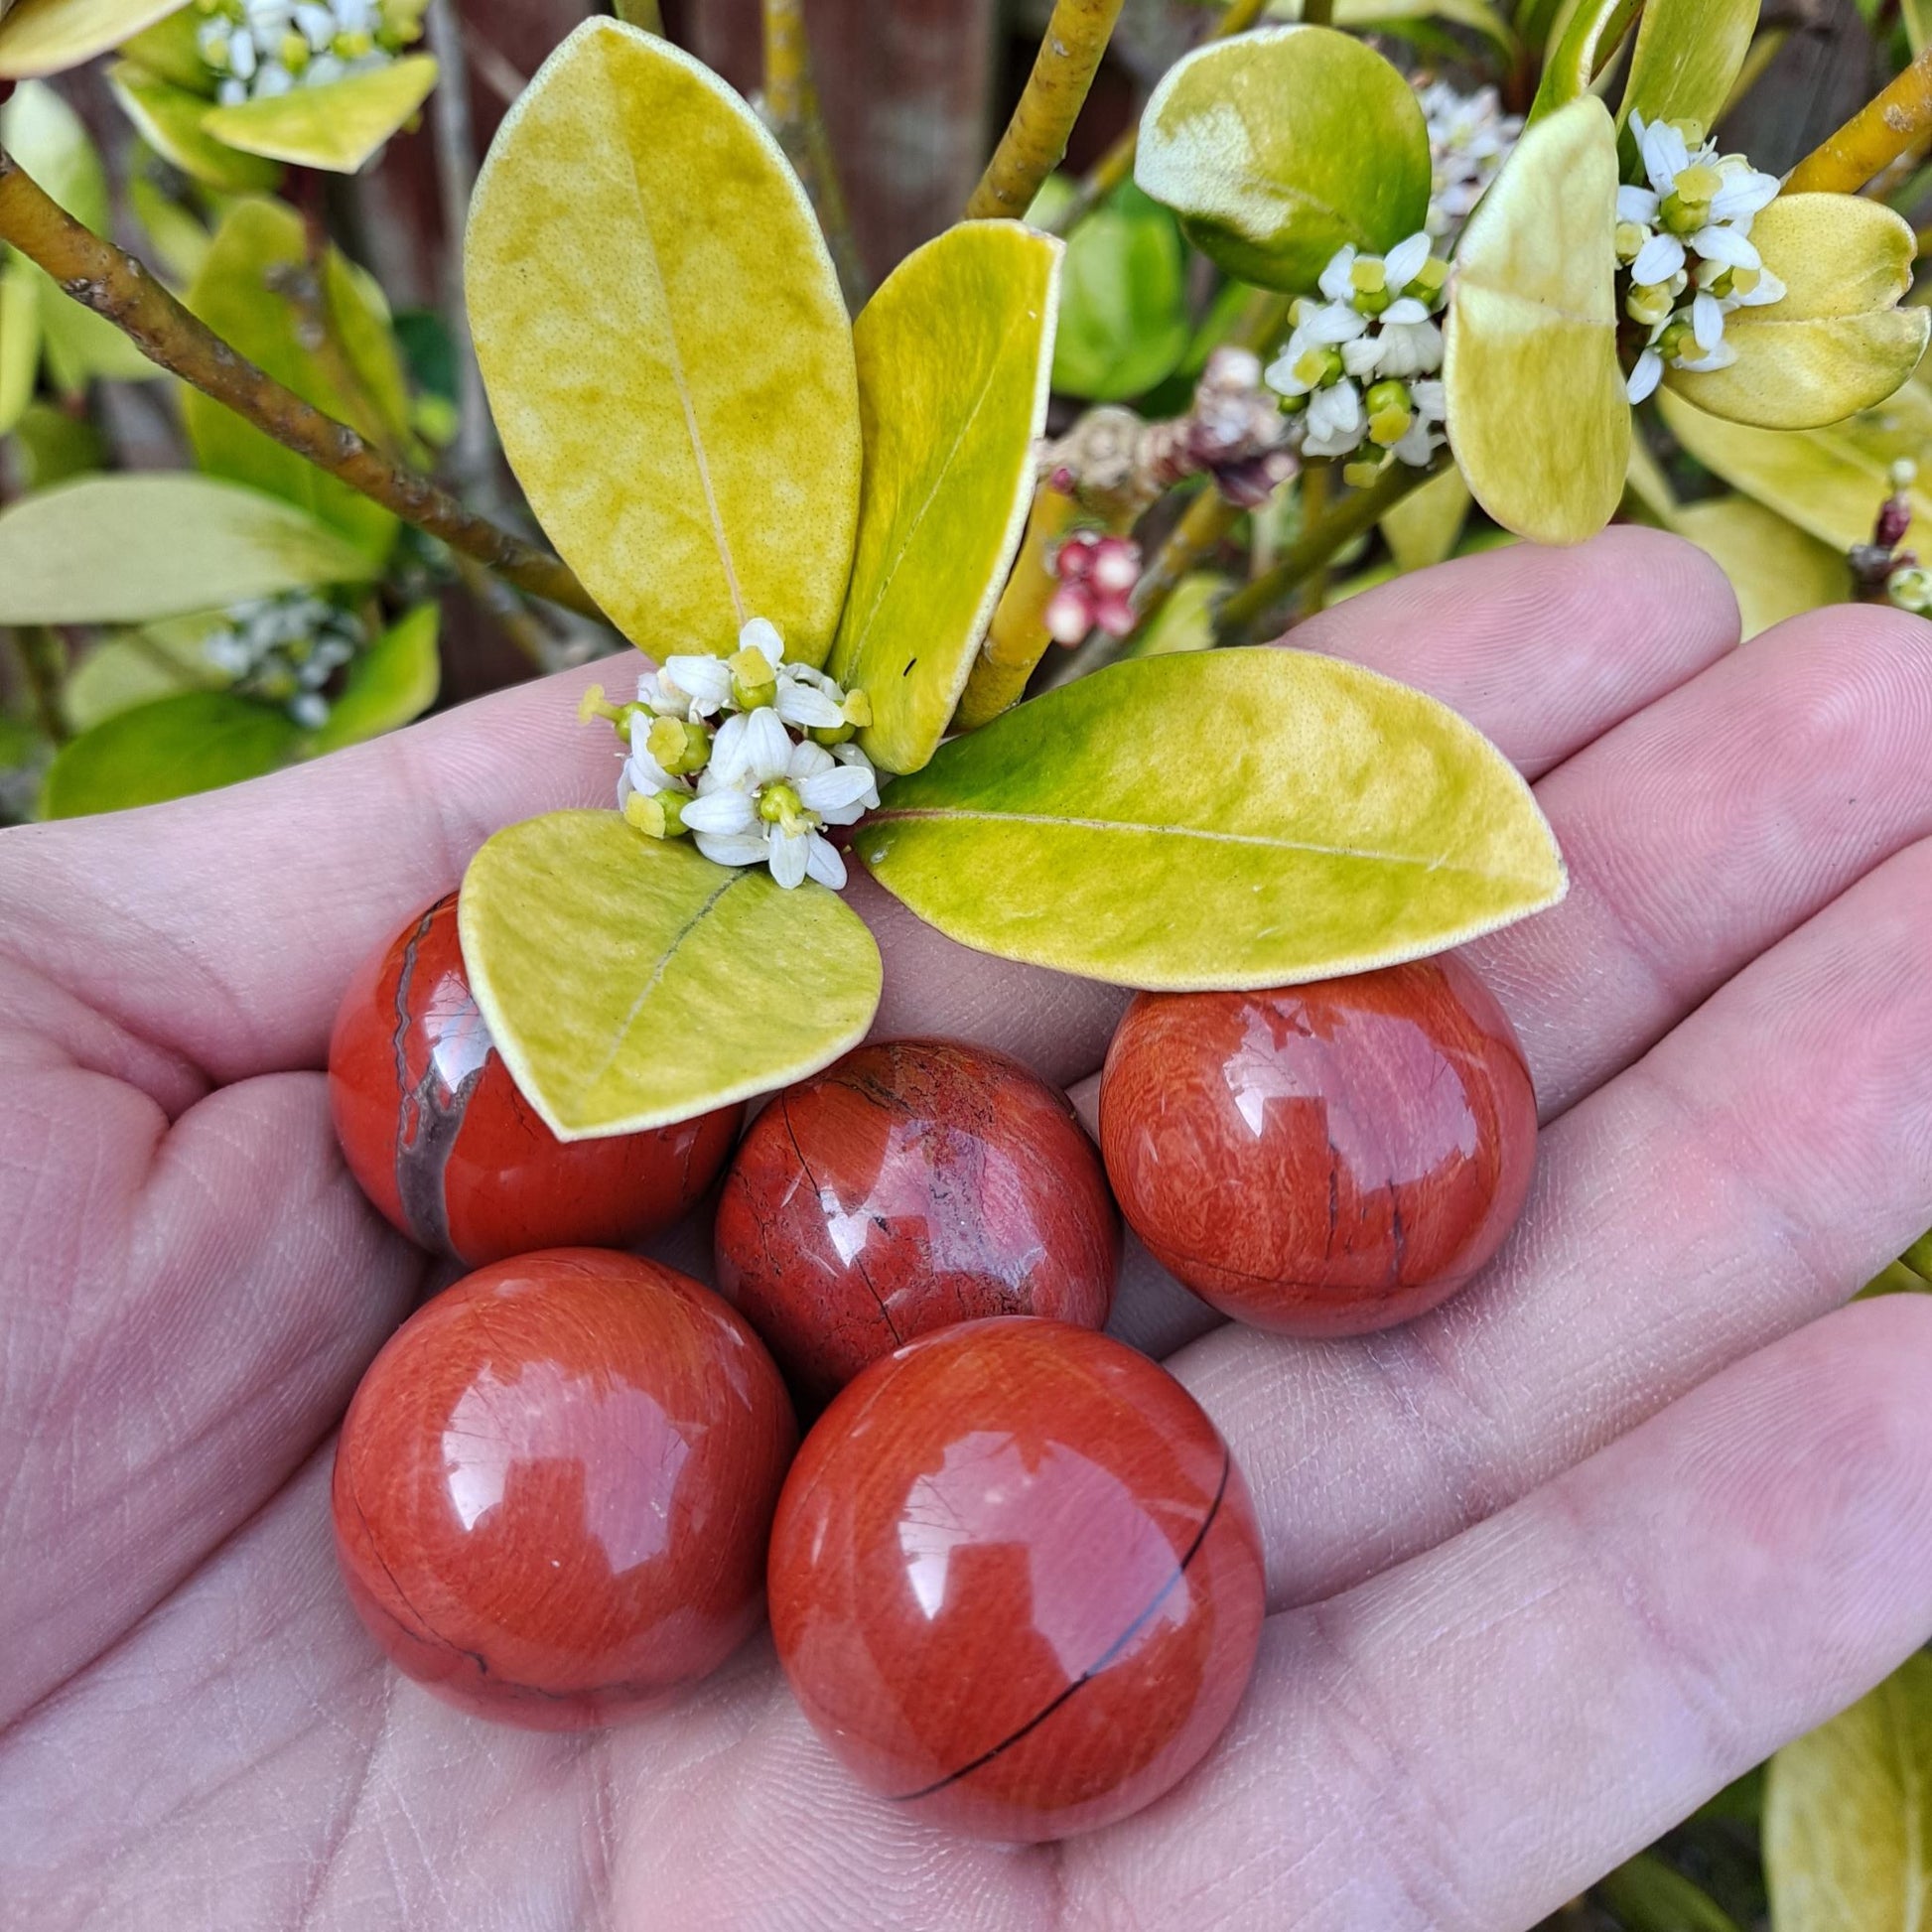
{"x":1647,"y":1895}
{"x":1220,"y":818}
{"x":258,"y":291}
{"x":170,"y":119}
{"x":1687,"y":55}
{"x":1828,"y":481}
{"x":338,"y":126}
{"x":1776,"y":569}
{"x":135,"y":670}
{"x":666,"y":349}
{"x":167,"y":750}
{"x":1394,"y":15}
{"x":42,"y":37}
{"x":1647,"y":483}
{"x":1582,"y":40}
{"x":20,"y":337}
{"x":126,"y":549}
{"x":394,"y":681}
{"x":1848,"y":1815}
{"x":629,"y":982}
{"x":1836,"y":343}
{"x":1426,"y":527}
{"x":1277,"y":148}
{"x":1536,"y":414}
{"x":954,"y":355}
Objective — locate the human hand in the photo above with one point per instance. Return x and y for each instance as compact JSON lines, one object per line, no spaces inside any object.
{"x":1546,"y":1568}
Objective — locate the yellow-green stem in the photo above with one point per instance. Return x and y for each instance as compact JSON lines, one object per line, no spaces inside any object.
{"x":1203,"y":527}
{"x":1311,"y":550}
{"x":1318,"y":13}
{"x":1875,"y":136}
{"x":1035,"y":138}
{"x":639,"y":13}
{"x":112,"y":284}
{"x":791,"y":104}
{"x":1117,"y":162}
{"x":1017,"y":639}
{"x":1315,"y":507}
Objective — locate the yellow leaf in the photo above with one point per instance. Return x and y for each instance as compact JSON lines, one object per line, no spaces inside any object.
{"x":1848,"y":1815}
{"x":337,"y":126}
{"x":629,"y":982}
{"x":1776,"y":569}
{"x":1836,"y":343}
{"x":1426,"y":527}
{"x":42,"y":36}
{"x":955,"y":355}
{"x":1536,"y":414}
{"x":666,"y":352}
{"x":169,"y":117}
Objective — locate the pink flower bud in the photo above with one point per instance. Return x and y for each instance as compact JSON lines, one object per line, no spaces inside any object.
{"x":1114,"y":614}
{"x":1070,"y":617}
{"x":1115,"y":564}
{"x":1073,"y":563}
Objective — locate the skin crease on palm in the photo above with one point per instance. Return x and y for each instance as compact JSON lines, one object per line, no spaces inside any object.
{"x":1547,"y":1569}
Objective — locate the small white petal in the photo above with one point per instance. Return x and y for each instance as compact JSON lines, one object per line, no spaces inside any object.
{"x":808,"y":761}
{"x":1412,"y":349}
{"x":762,"y":634}
{"x":1723,"y":245}
{"x":726,"y":810}
{"x":1336,"y":283}
{"x":705,"y":680}
{"x":1404,"y":313}
{"x":730,"y":753}
{"x":1707,"y":322}
{"x":1637,"y":204}
{"x":1769,"y":289}
{"x":1646,"y":375}
{"x":798,"y":703}
{"x":1658,"y":259}
{"x":1744,"y":194}
{"x":733,"y":848}
{"x":644,"y":770}
{"x":788,"y":852}
{"x":834,"y":790}
{"x":768,"y":745}
{"x":1720,"y":357}
{"x":1431,"y":400}
{"x":823,"y":863}
{"x":1362,"y":357}
{"x":1416,"y":444}
{"x":1403,"y":261}
{"x":1336,"y":323}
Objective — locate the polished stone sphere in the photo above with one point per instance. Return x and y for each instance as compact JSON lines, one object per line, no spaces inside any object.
{"x":913,"y":1184}
{"x":1322,"y":1160}
{"x":553,"y":1488}
{"x":440,"y":1139}
{"x":1016,"y":1580}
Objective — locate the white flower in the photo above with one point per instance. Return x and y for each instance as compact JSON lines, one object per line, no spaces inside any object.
{"x":762,"y":798}
{"x":257,"y":50}
{"x":1336,"y":280}
{"x":1334,"y":419}
{"x":808,"y":699}
{"x":1412,"y":345}
{"x":1469,"y":138}
{"x":1644,"y":378}
{"x":703,"y":683}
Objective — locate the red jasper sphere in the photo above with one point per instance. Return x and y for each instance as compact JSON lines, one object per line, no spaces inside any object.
{"x":1015,"y":1581}
{"x":439,"y":1138}
{"x":553,"y":1488}
{"x":1323,"y":1159}
{"x":913,"y":1185}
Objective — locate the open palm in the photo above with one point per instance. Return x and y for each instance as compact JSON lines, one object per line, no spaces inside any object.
{"x":1546,"y":1568}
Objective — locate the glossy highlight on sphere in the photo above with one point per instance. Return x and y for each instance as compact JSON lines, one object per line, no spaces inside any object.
{"x":1016,"y":1580}
{"x":913,"y":1185}
{"x":440,"y":1139}
{"x":553,"y":1488}
{"x":1321,"y":1159}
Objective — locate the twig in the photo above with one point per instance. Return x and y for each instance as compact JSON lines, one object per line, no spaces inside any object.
{"x":1315,"y":507}
{"x":1035,"y":138}
{"x":100,"y":277}
{"x":1311,"y":550}
{"x":500,"y":75}
{"x":1203,"y":527}
{"x":1117,"y":162}
{"x":1878,"y":134}
{"x":639,"y":13}
{"x":473,"y":453}
{"x":792,"y":106}
{"x":44,"y":663}
{"x":1318,"y":13}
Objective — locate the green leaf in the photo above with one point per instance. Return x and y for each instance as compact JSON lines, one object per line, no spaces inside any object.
{"x":629,"y":982}
{"x":666,"y":349}
{"x":49,"y":140}
{"x":1919,"y":1255}
{"x":1828,"y":481}
{"x":1536,"y":413}
{"x":1836,"y":343}
{"x":1220,"y":818}
{"x":1393,"y":16}
{"x":20,"y":337}
{"x":1426,"y":527}
{"x":1277,"y":148}
{"x":42,"y":37}
{"x":1686,"y":59}
{"x":52,"y":447}
{"x":167,"y":750}
{"x":176,"y":240}
{"x":170,"y":50}
{"x":1584,"y":38}
{"x":259,"y":293}
{"x":394,"y":680}
{"x":1776,"y":569}
{"x":1124,"y":324}
{"x":1646,"y":1895}
{"x":954,"y":355}
{"x":337,"y":126}
{"x":1186,"y":621}
{"x":170,"y":119}
{"x":1848,"y":1815}
{"x":119,"y":673}
{"x":126,"y":549}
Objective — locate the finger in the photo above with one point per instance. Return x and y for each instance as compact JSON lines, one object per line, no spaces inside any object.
{"x":1466,"y":1741}
{"x":1747,"y":1176}
{"x":225,"y":926}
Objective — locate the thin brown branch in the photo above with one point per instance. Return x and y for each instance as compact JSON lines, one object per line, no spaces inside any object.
{"x":1035,"y":138}
{"x":1875,"y":137}
{"x":1117,"y":162}
{"x":100,"y":277}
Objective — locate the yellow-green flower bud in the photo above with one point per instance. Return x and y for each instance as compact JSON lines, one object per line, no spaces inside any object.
{"x":1369,"y":275}
{"x":755,"y":679}
{"x":1630,"y":236}
{"x":1359,"y":475}
{"x":1648,"y":303}
{"x":1389,"y":413}
{"x":1319,"y":366}
{"x":1432,"y":278}
{"x":779,"y":804}
{"x":293,"y":52}
{"x":678,"y":747}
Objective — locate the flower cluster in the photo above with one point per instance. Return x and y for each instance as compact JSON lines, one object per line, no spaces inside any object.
{"x":1685,"y":245}
{"x":1470,"y":139}
{"x":285,"y":650}
{"x":748,"y":754}
{"x":258,"y":49}
{"x":1096,"y":574}
{"x":1361,"y":367}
